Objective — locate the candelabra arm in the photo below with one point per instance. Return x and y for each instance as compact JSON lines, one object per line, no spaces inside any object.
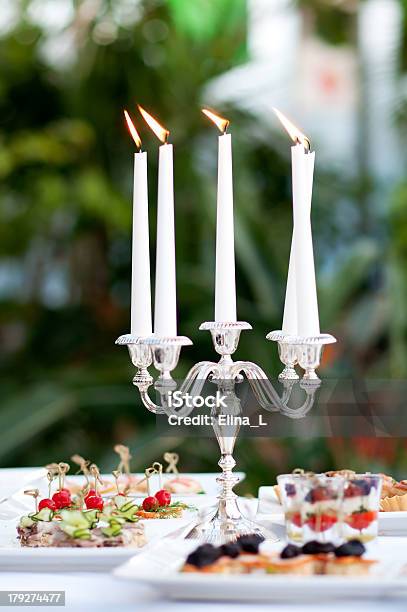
{"x":264,"y":391}
{"x":197,"y":376}
{"x":268,"y":397}
{"x":148,"y":402}
{"x":302,"y":411}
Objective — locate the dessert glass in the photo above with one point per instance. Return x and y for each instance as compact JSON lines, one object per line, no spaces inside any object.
{"x":291,"y":494}
{"x":361,"y":499}
{"x":321,"y":508}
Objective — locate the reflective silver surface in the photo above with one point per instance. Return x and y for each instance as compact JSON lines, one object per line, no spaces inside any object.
{"x":304,"y":350}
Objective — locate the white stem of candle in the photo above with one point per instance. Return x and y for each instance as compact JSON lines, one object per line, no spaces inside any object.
{"x":290,"y":305}
{"x":225,"y":283}
{"x":306,"y":289}
{"x":165,"y":314}
{"x":140,"y":277}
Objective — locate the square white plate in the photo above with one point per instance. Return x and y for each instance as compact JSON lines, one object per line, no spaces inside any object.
{"x":14,"y":557}
{"x":159,"y":566}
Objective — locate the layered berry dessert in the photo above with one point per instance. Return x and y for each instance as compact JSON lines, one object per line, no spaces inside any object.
{"x":290,"y":491}
{"x":321,"y":508}
{"x":360,"y":506}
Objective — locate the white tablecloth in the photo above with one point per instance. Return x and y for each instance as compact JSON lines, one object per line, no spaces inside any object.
{"x":89,"y":592}
{"x":97,"y":592}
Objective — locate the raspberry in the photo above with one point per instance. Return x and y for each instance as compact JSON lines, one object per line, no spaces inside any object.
{"x":150,"y":503}
{"x":62,"y":499}
{"x":163,"y":497}
{"x":47,"y":503}
{"x":94,"y":502}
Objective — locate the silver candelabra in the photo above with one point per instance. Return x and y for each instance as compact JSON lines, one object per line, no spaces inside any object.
{"x":226,"y":523}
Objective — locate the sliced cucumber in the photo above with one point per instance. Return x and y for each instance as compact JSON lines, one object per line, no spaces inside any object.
{"x":116,"y":520}
{"x":75,"y":518}
{"x":82,"y":534}
{"x":68,"y":529}
{"x":126,"y":507}
{"x":91,"y":516}
{"x":26,"y":521}
{"x":45,"y":514}
{"x":112,"y":531}
{"x":121,"y":500}
{"x":129,"y":514}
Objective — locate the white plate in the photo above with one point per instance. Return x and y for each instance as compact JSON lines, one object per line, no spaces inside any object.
{"x":393,"y":523}
{"x":13,"y":502}
{"x":13,"y":480}
{"x":15,"y":557}
{"x":158,"y":567}
{"x":207,"y":480}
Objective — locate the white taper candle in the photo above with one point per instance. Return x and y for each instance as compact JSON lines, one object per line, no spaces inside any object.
{"x":140,"y":277}
{"x":165,"y":314}
{"x":225,"y":283}
{"x":306,"y":289}
{"x":290,"y":323}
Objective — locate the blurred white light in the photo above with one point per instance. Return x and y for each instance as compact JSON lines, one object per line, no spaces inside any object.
{"x":105,"y":32}
{"x":153,"y":55}
{"x":59,"y":50}
{"x":51,"y":14}
{"x":127,"y":12}
{"x":155,"y":30}
{"x":9,"y":15}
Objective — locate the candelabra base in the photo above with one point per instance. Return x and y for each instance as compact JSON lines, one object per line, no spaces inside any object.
{"x":218,"y":530}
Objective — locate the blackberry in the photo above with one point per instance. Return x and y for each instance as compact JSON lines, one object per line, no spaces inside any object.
{"x":290,"y":489}
{"x":353,"y":548}
{"x":250,"y":543}
{"x":231,"y":549}
{"x":290,"y":551}
{"x":315,"y":548}
{"x":363,"y":485}
{"x":204,"y":555}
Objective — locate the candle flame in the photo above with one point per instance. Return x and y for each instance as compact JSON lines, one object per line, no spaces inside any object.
{"x":220,"y":122}
{"x":160,"y":131}
{"x":295,"y":134}
{"x":132,"y":130}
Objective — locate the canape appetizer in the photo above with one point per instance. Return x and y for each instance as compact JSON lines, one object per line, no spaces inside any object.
{"x":159,"y":506}
{"x":79,"y":529}
{"x":83,"y":521}
{"x":245,"y":557}
{"x":183,"y":485}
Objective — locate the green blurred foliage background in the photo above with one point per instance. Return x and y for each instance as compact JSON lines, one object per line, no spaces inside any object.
{"x":65,"y":228}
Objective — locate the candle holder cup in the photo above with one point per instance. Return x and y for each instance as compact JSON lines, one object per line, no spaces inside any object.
{"x":306,"y":351}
